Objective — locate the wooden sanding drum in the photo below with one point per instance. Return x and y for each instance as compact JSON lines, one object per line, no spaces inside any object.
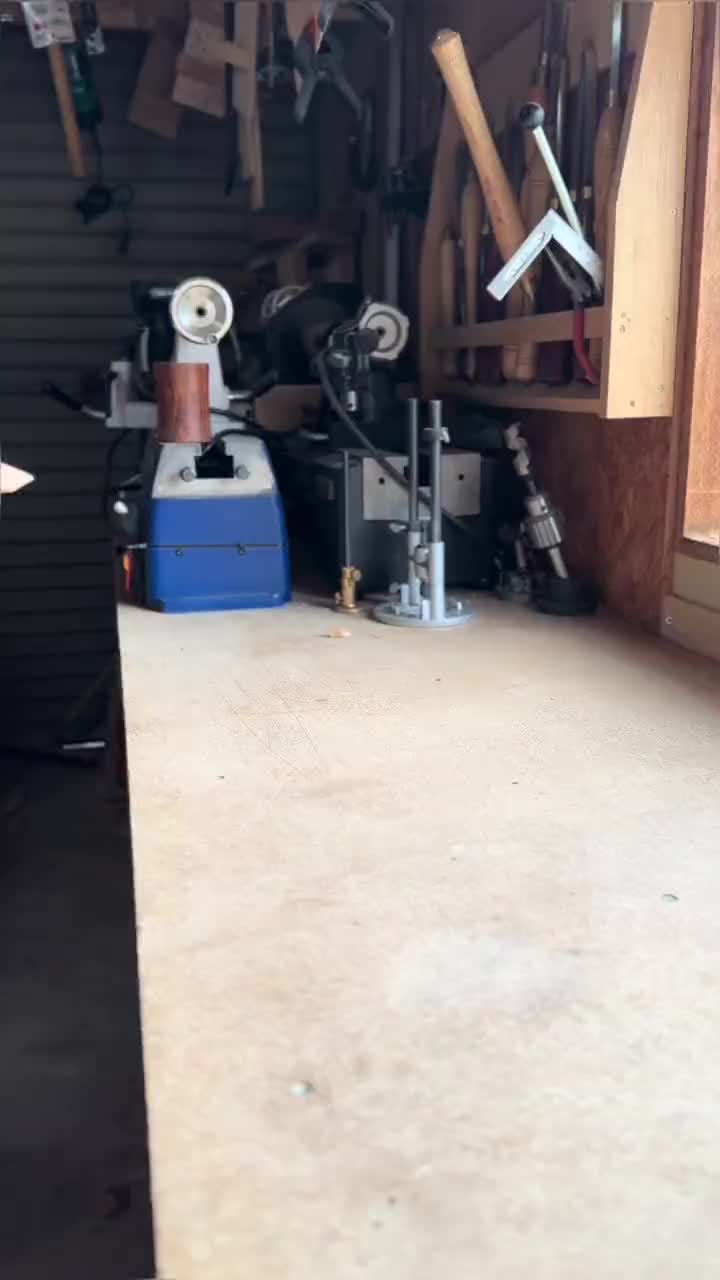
{"x":183,"y":400}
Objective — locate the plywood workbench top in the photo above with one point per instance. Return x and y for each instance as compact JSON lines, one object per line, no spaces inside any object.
{"x":429,"y":948}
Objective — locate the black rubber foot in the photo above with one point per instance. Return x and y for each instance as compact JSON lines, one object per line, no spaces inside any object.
{"x":566,"y":597}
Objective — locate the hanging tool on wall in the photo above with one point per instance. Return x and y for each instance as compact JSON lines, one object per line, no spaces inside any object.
{"x":275,"y":48}
{"x":505,"y":218}
{"x":319,"y":53}
{"x":86,"y":100}
{"x":100,"y":198}
{"x":50,"y":26}
{"x":373,"y":10}
{"x":319,"y":59}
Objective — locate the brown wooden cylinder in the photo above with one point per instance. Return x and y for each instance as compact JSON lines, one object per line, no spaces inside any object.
{"x":183,"y":400}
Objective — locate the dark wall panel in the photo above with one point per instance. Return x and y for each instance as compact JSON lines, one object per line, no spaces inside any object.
{"x":64,"y":307}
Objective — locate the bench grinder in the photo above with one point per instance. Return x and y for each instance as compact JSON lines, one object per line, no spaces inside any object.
{"x":202,"y":524}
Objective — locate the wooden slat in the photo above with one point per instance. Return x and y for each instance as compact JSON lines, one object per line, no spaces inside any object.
{"x":64,"y":219}
{"x":38,"y":532}
{"x":83,"y":598}
{"x":556,"y":327}
{"x":61,"y":551}
{"x":25,"y":666}
{"x":162,"y":252}
{"x":646,"y":213}
{"x":574,"y":398}
{"x":69,"y":274}
{"x":51,"y":643}
{"x":32,"y":302}
{"x":54,"y":577}
{"x":36,"y":689}
{"x":46,"y":329}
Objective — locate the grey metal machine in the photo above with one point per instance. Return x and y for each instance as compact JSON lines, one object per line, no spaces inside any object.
{"x":421,"y":601}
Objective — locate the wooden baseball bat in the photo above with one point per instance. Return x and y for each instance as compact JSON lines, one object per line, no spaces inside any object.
{"x":471,"y":214}
{"x":505,"y":219}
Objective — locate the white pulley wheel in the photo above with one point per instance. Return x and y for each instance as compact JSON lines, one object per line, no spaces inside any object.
{"x":201,"y":310}
{"x":391,"y":326}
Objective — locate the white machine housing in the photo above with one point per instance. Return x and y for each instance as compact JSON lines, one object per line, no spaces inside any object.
{"x":201,"y":312}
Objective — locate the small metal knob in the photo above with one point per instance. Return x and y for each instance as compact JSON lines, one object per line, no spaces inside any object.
{"x":242,"y":472}
{"x":531,"y":116}
{"x":187,"y":474}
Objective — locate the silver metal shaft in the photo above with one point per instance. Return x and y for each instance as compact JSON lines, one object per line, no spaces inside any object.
{"x":436,"y":563}
{"x":557,"y":179}
{"x":436,"y":426}
{"x":346,"y":508}
{"x":413,"y":478}
{"x":413,"y":408}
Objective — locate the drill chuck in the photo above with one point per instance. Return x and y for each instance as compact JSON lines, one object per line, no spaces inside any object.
{"x":541,"y":524}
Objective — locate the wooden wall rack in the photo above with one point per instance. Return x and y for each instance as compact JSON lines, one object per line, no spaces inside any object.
{"x":638,"y":320}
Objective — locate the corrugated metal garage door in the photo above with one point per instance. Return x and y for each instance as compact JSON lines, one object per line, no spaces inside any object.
{"x":64,"y":304}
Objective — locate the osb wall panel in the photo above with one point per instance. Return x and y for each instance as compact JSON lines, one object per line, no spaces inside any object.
{"x":610,"y":481}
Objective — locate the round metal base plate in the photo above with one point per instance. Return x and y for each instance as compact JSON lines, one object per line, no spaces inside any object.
{"x":396,"y":615}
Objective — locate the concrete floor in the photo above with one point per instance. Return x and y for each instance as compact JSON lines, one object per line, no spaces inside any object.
{"x":72,"y":1119}
{"x":429,"y":947}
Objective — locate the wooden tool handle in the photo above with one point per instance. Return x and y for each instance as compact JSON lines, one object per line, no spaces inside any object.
{"x":471,"y":214}
{"x":518,"y":362}
{"x":534,"y":204}
{"x":448,"y":260}
{"x":607,"y":147}
{"x":507,"y":224}
{"x":73,"y":141}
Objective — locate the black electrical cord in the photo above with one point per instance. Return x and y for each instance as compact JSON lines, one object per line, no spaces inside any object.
{"x":112,"y":450}
{"x":366,"y":443}
{"x":100,"y":199}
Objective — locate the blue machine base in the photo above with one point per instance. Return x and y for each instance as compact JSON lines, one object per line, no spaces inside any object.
{"x":210,"y":554}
